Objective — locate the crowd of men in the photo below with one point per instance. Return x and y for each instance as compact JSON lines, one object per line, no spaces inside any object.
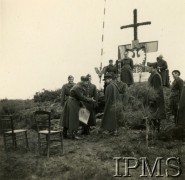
{"x":84,"y":94}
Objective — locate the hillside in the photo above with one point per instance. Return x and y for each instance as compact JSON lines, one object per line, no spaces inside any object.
{"x":92,"y":157}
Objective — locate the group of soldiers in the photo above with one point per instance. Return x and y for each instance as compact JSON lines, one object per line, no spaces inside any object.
{"x":73,"y":97}
{"x":84,"y":94}
{"x":127,"y":67}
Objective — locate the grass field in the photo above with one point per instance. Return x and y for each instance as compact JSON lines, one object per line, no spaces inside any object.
{"x":90,"y":158}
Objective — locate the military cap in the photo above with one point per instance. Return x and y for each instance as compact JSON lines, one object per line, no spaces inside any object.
{"x":84,"y":78}
{"x":107,"y":76}
{"x":176,"y":71}
{"x":70,"y":76}
{"x":112,"y":74}
{"x":88,"y":75}
{"x":160,"y":56}
{"x":110,"y":60}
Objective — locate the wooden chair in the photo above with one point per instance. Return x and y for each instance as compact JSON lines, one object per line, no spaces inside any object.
{"x":10,"y":134}
{"x":46,"y":135}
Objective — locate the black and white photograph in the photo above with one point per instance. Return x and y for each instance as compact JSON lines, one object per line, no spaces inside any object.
{"x":92,"y":89}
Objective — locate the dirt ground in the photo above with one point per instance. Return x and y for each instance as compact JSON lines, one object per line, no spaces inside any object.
{"x":90,"y":158}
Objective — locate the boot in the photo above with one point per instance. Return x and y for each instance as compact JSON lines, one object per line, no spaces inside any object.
{"x":75,"y":136}
{"x":86,"y":130}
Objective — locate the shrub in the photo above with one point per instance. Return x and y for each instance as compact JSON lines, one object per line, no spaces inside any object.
{"x":137,"y":108}
{"x":47,"y":95}
{"x":13,"y":107}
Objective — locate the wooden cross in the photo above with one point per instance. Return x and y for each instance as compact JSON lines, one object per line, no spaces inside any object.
{"x":135,"y":24}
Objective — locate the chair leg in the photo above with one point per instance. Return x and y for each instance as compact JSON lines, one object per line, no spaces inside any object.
{"x":5,"y":145}
{"x":39,"y":144}
{"x":26,"y":136}
{"x":48,"y":145}
{"x":14,"y":141}
{"x":61,"y":140}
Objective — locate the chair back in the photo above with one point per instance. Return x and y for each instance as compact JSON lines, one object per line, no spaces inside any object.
{"x":43,"y":120}
{"x":6,"y":123}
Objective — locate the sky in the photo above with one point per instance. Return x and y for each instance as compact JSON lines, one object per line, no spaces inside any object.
{"x":44,"y":41}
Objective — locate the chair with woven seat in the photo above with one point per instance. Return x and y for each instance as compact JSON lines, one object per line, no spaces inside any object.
{"x":10,"y":134}
{"x":46,"y":135}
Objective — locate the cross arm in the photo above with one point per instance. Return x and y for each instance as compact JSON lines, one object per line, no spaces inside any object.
{"x":145,"y":23}
{"x":127,"y":26}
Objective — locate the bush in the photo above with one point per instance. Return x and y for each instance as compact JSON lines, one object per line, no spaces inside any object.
{"x":13,"y":107}
{"x":47,"y":95}
{"x":134,"y":112}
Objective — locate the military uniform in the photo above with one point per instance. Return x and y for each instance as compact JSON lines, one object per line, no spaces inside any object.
{"x":181,"y":110}
{"x":66,"y":92}
{"x":126,"y":71}
{"x":163,"y":71}
{"x":175,"y":94}
{"x":110,"y":69}
{"x":91,"y":92}
{"x":110,"y":117}
{"x":72,"y":107}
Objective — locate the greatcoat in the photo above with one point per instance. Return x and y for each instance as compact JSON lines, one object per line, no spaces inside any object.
{"x":181,"y":110}
{"x":175,"y":94}
{"x":110,"y":121}
{"x":127,"y":71}
{"x":65,"y":92}
{"x":91,"y":92}
{"x":163,"y":71}
{"x":72,"y":107}
{"x":110,"y":69}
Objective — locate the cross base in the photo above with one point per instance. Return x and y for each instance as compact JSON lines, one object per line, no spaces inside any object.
{"x":135,"y":44}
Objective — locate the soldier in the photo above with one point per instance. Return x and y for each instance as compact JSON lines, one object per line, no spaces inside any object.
{"x":162,"y":68}
{"x":110,"y":118}
{"x":66,"y":90}
{"x":72,"y":107}
{"x":122,"y":90}
{"x":110,"y":68}
{"x":181,"y":110}
{"x":64,"y":97}
{"x":175,"y":94}
{"x":127,"y":67}
{"x":90,"y":92}
{"x":158,"y":106}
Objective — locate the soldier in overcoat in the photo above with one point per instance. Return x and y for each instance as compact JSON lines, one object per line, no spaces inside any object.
{"x":110,"y":116}
{"x":90,"y":92}
{"x":127,"y":67}
{"x":176,"y":89}
{"x":65,"y":92}
{"x":162,"y":68}
{"x":181,"y":110}
{"x":72,"y":107}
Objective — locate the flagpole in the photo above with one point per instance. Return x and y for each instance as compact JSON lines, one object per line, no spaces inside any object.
{"x":102,"y":45}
